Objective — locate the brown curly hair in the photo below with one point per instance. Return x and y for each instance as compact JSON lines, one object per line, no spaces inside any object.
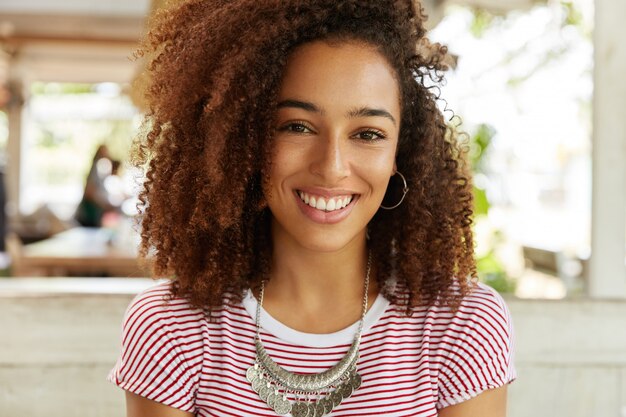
{"x":215,"y":71}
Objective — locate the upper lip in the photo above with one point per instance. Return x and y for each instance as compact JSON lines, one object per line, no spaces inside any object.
{"x":325,"y":192}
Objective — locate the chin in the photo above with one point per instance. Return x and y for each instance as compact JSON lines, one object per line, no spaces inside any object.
{"x":326,"y":243}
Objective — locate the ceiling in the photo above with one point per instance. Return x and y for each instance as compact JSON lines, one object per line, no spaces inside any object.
{"x":73,"y":20}
{"x":92,"y":40}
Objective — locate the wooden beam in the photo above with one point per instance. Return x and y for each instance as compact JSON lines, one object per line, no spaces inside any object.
{"x":84,"y":62}
{"x":106,"y":29}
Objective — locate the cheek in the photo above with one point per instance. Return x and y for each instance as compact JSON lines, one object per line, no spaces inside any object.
{"x":382,"y":184}
{"x":284,"y":164}
{"x":382,"y":169}
{"x":288,"y":157}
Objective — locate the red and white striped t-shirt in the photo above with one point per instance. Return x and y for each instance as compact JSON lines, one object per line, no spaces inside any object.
{"x":410,"y":366}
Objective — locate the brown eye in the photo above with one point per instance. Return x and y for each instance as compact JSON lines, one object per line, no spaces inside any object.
{"x":370,"y":135}
{"x":295,"y":127}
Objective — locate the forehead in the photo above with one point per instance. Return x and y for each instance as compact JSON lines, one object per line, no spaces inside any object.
{"x":340,"y":74}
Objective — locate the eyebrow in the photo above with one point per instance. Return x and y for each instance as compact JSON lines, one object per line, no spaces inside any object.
{"x":369,"y":112}
{"x":304,"y":105}
{"x":359,"y":112}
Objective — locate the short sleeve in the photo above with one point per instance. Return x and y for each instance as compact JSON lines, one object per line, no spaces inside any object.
{"x":161,"y":350}
{"x":476,"y":347}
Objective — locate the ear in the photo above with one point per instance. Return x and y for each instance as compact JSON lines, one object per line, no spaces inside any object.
{"x":395,"y":169}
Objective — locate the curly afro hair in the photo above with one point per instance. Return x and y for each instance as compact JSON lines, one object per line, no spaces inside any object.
{"x":215,"y":69}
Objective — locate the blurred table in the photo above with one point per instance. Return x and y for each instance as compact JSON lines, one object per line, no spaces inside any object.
{"x":81,"y":251}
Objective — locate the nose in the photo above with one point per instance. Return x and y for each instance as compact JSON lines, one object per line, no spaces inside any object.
{"x":331,"y":161}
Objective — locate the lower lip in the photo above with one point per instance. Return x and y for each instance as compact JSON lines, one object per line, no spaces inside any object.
{"x":325,"y":217}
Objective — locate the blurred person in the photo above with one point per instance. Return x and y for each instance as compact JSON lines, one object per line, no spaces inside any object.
{"x":313,"y":213}
{"x":95,"y":201}
{"x":114,"y":185}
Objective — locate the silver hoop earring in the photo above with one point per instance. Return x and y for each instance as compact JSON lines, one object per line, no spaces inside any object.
{"x":405,"y":190}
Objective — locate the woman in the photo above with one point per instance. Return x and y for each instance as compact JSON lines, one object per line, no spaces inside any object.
{"x":311,"y":203}
{"x":95,"y":202}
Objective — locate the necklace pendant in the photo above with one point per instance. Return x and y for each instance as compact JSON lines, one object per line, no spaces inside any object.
{"x":252,"y":373}
{"x":271,"y":394}
{"x":273,"y":383}
{"x":300,"y":409}
{"x":355,"y":381}
{"x":345,"y":390}
{"x":265,"y":393}
{"x":335,"y":398}
{"x":312,"y":410}
{"x":327,"y":405}
{"x":270,"y":398}
{"x":258,"y":383}
{"x":282,"y":405}
{"x":320,"y":410}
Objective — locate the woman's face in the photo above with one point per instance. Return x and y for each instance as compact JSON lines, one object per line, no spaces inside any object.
{"x":334,"y":145}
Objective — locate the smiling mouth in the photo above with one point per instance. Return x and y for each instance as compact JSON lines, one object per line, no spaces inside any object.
{"x":327,"y":204}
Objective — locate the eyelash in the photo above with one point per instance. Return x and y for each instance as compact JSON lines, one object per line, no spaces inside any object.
{"x":379,"y":135}
{"x":289,"y":128}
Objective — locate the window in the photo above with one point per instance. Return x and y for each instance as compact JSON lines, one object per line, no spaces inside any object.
{"x":64,"y":123}
{"x":523,"y":87}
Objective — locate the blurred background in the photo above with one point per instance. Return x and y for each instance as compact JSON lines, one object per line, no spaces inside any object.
{"x":538,"y":86}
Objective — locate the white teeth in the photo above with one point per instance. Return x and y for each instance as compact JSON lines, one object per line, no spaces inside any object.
{"x":321,"y":203}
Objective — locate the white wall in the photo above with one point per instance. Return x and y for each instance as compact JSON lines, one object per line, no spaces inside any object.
{"x":55,"y":353}
{"x":57,"y":349}
{"x":571,"y":358}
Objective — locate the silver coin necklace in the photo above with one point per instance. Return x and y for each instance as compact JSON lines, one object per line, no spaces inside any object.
{"x":314,"y":395}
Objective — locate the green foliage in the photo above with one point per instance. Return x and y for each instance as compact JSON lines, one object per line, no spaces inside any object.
{"x":573,"y":16}
{"x":492,"y":272}
{"x":481,"y":203}
{"x":550,"y":57}
{"x":479,"y":142}
{"x":46,"y":138}
{"x":41,"y":88}
{"x":481,"y":22}
{"x":490,"y":269}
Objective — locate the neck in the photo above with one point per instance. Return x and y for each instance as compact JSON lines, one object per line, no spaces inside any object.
{"x":324,"y":288}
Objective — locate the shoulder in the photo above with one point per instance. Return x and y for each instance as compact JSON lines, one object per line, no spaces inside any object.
{"x":474,"y":345}
{"x":481,"y":322}
{"x":160,"y":294}
{"x":155,"y":310}
{"x":162,"y":348}
{"x":484,"y":307}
